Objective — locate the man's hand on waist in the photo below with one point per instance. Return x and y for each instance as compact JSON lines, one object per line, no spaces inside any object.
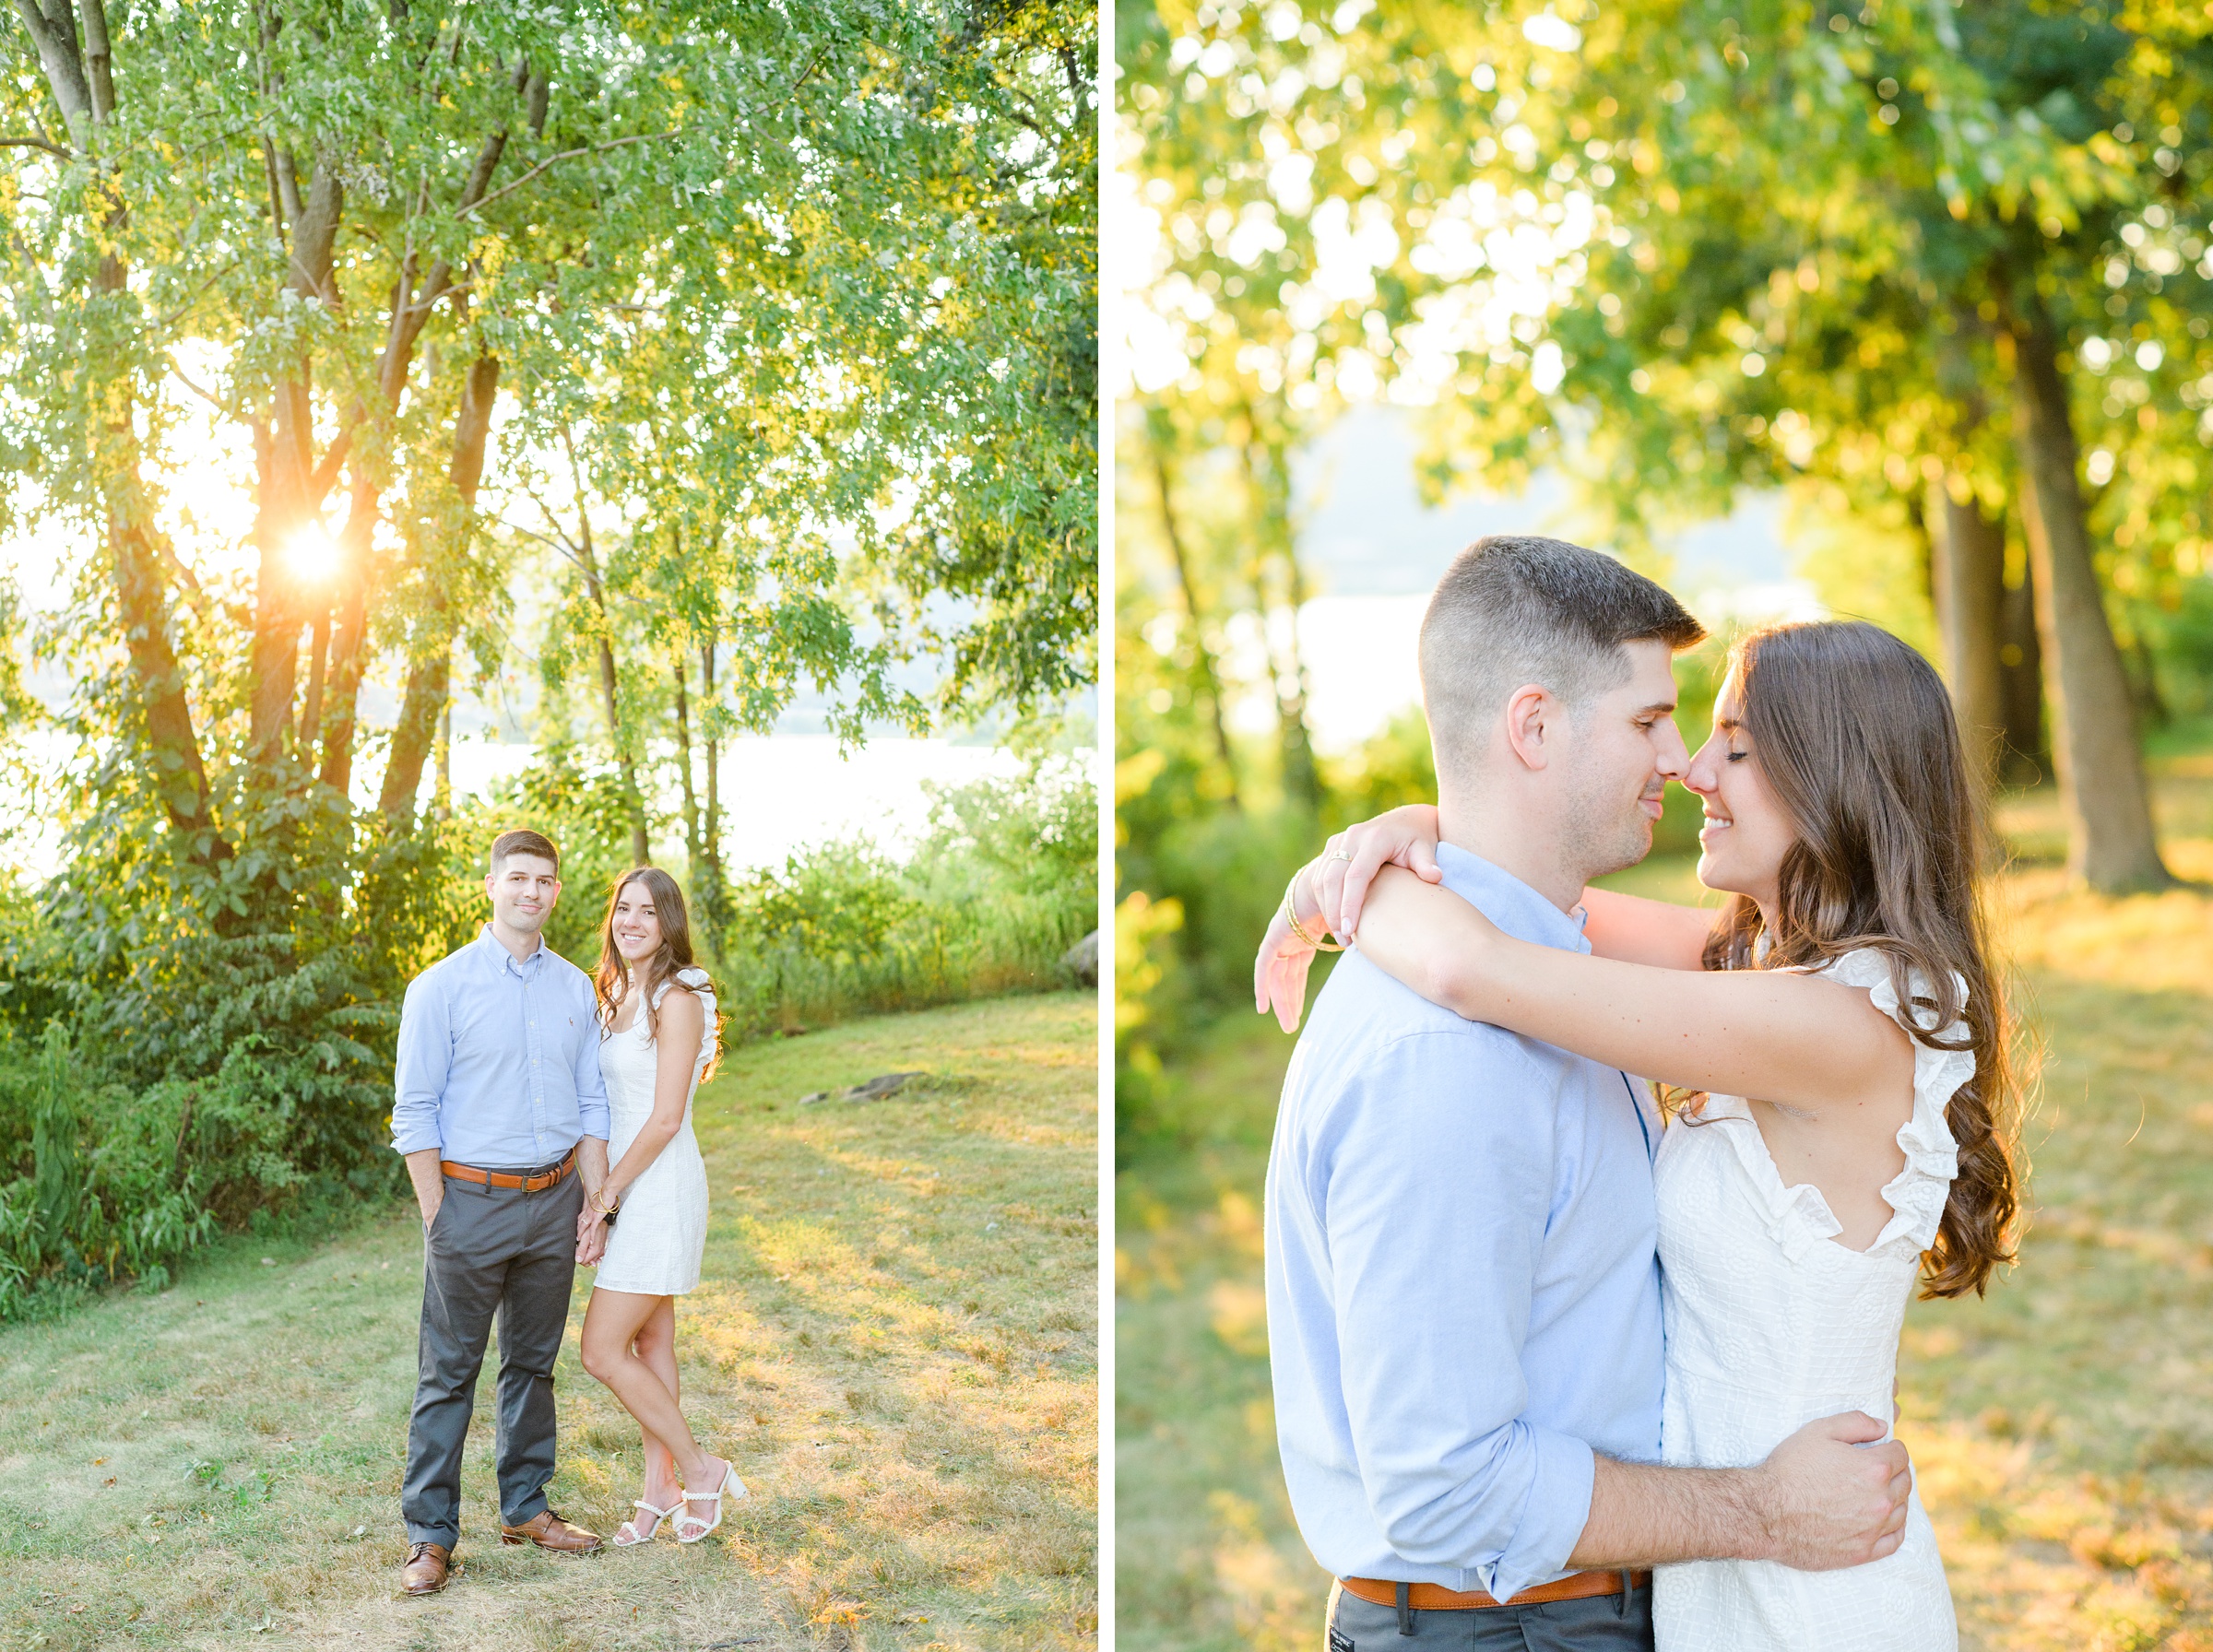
{"x":1834,"y":1494}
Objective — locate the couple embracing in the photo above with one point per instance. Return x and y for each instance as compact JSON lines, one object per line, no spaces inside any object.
{"x":546,"y":1119}
{"x":1557,"y":1364}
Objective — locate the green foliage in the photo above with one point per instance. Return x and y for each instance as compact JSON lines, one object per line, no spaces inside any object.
{"x":1004,"y":882}
{"x":1393,"y":766}
{"x":834,"y":906}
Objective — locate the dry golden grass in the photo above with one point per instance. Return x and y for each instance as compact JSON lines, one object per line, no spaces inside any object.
{"x":896,"y":1342}
{"x":2060,"y":1426}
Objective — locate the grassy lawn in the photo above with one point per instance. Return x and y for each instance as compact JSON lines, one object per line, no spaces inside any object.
{"x":2060,"y":1426}
{"x":896,"y":1342}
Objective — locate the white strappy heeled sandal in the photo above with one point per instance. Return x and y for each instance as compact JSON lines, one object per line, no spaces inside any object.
{"x":730,"y":1483}
{"x":631,"y":1525}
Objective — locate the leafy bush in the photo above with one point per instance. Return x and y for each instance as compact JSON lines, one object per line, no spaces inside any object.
{"x":1003,"y":883}
{"x":192,"y":1040}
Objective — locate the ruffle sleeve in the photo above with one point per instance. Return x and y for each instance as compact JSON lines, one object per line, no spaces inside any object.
{"x":1917,"y":1194}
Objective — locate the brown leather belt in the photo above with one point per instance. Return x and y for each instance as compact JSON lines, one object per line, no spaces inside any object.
{"x":499,"y":1178}
{"x":1435,"y":1597}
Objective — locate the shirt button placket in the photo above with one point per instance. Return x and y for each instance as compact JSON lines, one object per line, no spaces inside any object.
{"x":537,"y":1091}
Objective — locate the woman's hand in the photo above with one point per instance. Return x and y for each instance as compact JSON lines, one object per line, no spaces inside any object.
{"x":1279,"y":971}
{"x":591,"y":1236}
{"x":1406,"y":836}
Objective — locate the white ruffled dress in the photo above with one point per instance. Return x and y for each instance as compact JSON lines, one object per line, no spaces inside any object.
{"x":661,"y":1230}
{"x":1770,"y":1325}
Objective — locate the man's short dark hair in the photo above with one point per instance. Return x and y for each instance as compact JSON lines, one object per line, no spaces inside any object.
{"x":1516,"y":609}
{"x":522,"y":842}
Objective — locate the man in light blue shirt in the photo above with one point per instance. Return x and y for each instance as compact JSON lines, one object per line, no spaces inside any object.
{"x":501,"y":1114}
{"x":1463,"y":1289}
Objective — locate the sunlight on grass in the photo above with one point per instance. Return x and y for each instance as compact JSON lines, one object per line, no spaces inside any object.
{"x":2060,"y":1426}
{"x":896,"y":1342}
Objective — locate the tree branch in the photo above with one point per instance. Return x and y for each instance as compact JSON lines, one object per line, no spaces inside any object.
{"x":206,"y":396}
{"x":36,"y":143}
{"x":617,"y":143}
{"x":333,"y":457}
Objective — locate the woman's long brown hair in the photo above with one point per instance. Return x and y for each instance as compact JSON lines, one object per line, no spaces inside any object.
{"x":1855,"y":736}
{"x":613,"y":978}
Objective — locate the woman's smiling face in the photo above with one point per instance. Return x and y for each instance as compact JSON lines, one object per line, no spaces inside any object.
{"x":637,"y":928}
{"x":1746,"y":832}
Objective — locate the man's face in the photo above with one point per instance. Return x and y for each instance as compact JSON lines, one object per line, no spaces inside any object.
{"x":523,"y":890}
{"x":1622,"y":750}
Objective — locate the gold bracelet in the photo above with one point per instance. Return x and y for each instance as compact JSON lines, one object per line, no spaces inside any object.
{"x":1297,"y":929}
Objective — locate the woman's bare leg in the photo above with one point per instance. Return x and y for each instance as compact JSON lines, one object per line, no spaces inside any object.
{"x":612,"y":1325}
{"x":655,"y":1345}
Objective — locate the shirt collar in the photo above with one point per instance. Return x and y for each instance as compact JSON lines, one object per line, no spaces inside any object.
{"x":502,"y":959}
{"x":1509,"y":903}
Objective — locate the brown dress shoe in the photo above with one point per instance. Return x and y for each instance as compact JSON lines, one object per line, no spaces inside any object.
{"x":549,"y":1531}
{"x":429,"y":1565}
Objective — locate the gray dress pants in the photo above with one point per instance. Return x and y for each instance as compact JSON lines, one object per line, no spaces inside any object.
{"x":490,"y":1250}
{"x":1599,"y":1623}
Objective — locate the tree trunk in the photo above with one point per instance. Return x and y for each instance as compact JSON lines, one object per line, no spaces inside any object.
{"x":429,"y":674}
{"x":684,"y":766}
{"x":713,"y":895}
{"x":173,"y":745}
{"x":442,"y":783}
{"x":1968,"y":572}
{"x":609,"y":677}
{"x":641,"y":851}
{"x":349,"y":632}
{"x":2109,"y":839}
{"x":311,"y":713}
{"x":1202,"y":658}
{"x":1268,"y":480}
{"x":81,"y":80}
{"x":2028,"y":757}
{"x":286,"y":466}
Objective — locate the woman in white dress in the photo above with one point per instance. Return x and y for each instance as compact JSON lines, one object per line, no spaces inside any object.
{"x":1836,"y":1046}
{"x":647,"y":1225}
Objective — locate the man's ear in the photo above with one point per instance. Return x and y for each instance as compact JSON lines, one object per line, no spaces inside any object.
{"x":1530,"y":713}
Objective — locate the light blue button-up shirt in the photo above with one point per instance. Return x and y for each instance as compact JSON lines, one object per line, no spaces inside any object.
{"x":1463,"y":1280}
{"x":499,"y":1061}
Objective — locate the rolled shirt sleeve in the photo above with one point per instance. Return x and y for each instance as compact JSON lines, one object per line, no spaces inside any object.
{"x":591,"y":1084}
{"x":1438,"y":1185}
{"x":424,"y":1057}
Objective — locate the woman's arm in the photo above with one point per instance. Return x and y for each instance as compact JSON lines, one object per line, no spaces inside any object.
{"x":1629,"y":927}
{"x":1636,"y":930}
{"x":1775,"y":1035}
{"x":682,"y":1022}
